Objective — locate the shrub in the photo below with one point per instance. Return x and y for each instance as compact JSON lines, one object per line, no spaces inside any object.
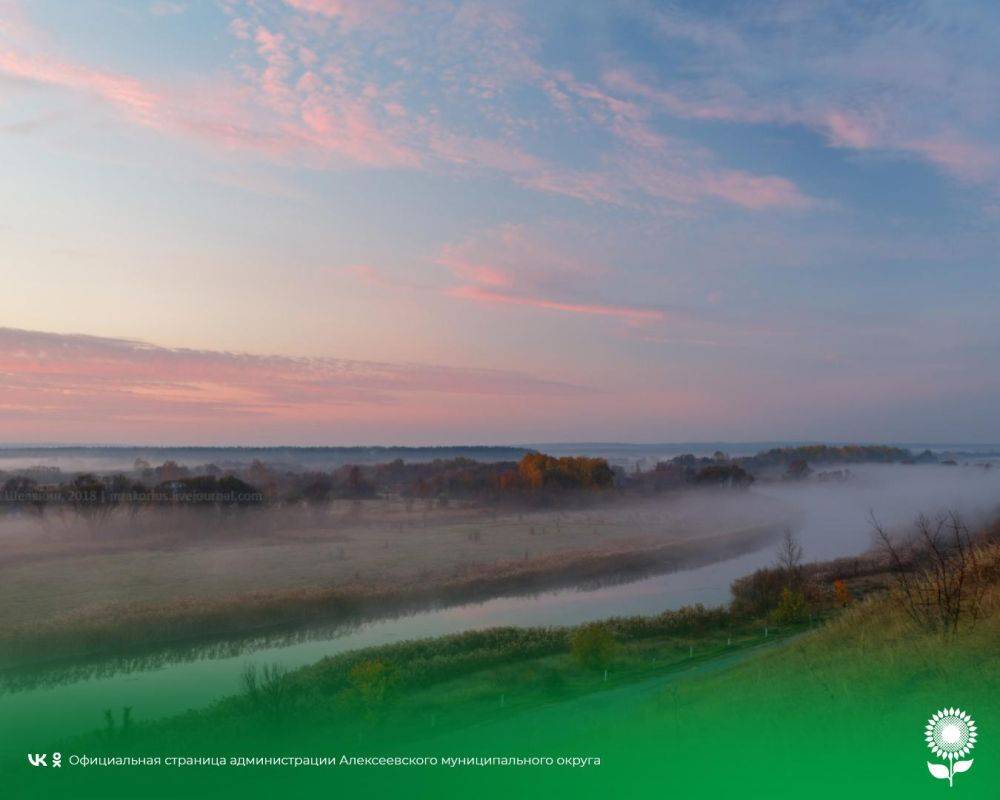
{"x":268,"y":688}
{"x":842,"y":593}
{"x":370,"y":682}
{"x":792,"y":608}
{"x":593,"y":646}
{"x":757,"y":594}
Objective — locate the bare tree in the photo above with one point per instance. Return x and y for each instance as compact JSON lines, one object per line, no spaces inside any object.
{"x":936,"y":571}
{"x":790,"y":557}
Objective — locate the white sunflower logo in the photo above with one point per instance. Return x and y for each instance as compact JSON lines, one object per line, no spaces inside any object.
{"x":951,"y":734}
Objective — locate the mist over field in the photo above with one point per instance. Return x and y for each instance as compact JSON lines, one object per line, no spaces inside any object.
{"x":96,"y":458}
{"x":834,"y":516}
{"x":316,"y":536}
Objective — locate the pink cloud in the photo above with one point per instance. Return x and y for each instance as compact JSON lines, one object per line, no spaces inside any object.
{"x":756,"y":192}
{"x":211,"y":113}
{"x":70,"y":377}
{"x":349,"y":12}
{"x":486,"y":153}
{"x":348,"y":128}
{"x":483,"y":274}
{"x":700,"y":107}
{"x":277,"y":70}
{"x":873,"y":126}
{"x":628,"y":313}
{"x":512,"y":255}
{"x":131,"y":97}
{"x":302,"y":94}
{"x":966,"y":160}
{"x":287,"y":110}
{"x":845,"y":130}
{"x":588,"y":186}
{"x":509,"y":266}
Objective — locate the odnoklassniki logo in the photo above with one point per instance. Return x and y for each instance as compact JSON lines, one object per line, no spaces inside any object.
{"x":951,"y":734}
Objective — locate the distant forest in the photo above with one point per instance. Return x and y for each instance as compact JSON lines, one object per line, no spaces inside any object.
{"x":533,"y":479}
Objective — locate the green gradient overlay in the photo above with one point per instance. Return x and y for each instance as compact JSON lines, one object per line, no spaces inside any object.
{"x":833,"y":713}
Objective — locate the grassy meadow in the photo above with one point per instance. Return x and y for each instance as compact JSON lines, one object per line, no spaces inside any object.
{"x":69,"y":592}
{"x":697,"y":700}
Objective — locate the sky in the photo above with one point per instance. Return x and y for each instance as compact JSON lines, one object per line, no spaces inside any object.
{"x":342,"y":222}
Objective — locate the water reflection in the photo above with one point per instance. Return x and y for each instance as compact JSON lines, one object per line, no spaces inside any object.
{"x":590,"y":599}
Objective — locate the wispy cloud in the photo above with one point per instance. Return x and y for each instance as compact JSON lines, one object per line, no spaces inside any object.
{"x":336,"y":83}
{"x":913,"y":81}
{"x":136,"y":101}
{"x":58,"y":376}
{"x":970,"y":161}
{"x":628,"y":313}
{"x":513,"y":267}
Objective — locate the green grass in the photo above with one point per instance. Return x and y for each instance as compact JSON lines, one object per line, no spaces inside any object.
{"x":836,"y":711}
{"x":445,"y":684}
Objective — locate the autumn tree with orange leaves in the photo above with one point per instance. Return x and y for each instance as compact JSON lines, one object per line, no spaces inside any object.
{"x":538,"y":471}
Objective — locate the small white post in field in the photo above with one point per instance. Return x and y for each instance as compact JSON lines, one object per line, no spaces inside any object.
{"x":605,"y":676}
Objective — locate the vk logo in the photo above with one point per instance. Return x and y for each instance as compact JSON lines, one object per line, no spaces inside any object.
{"x":37,"y":759}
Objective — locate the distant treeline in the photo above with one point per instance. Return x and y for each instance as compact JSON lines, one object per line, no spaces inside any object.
{"x":535,"y":478}
{"x":103,"y":459}
{"x":827,"y":454}
{"x":781,"y":463}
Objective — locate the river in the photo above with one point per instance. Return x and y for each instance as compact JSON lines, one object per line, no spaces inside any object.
{"x":833,"y":521}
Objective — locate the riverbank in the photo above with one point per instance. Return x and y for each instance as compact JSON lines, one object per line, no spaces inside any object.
{"x":686,"y":700}
{"x":393,"y":694}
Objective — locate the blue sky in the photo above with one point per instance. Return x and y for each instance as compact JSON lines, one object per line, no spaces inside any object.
{"x":646,"y":221}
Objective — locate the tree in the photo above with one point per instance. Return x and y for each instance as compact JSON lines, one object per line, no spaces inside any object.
{"x":842,"y":593}
{"x":790,"y":558}
{"x":88,"y":496}
{"x":792,"y":607}
{"x":798,"y":470}
{"x":937,"y":571}
{"x":126,"y":493}
{"x":317,"y":490}
{"x":728,"y":474}
{"x":170,"y":471}
{"x":538,"y":470}
{"x":758,"y":593}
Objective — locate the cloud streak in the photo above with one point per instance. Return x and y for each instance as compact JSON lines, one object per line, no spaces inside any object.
{"x":628,"y":313}
{"x":73,"y":377}
{"x":512,"y":266}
